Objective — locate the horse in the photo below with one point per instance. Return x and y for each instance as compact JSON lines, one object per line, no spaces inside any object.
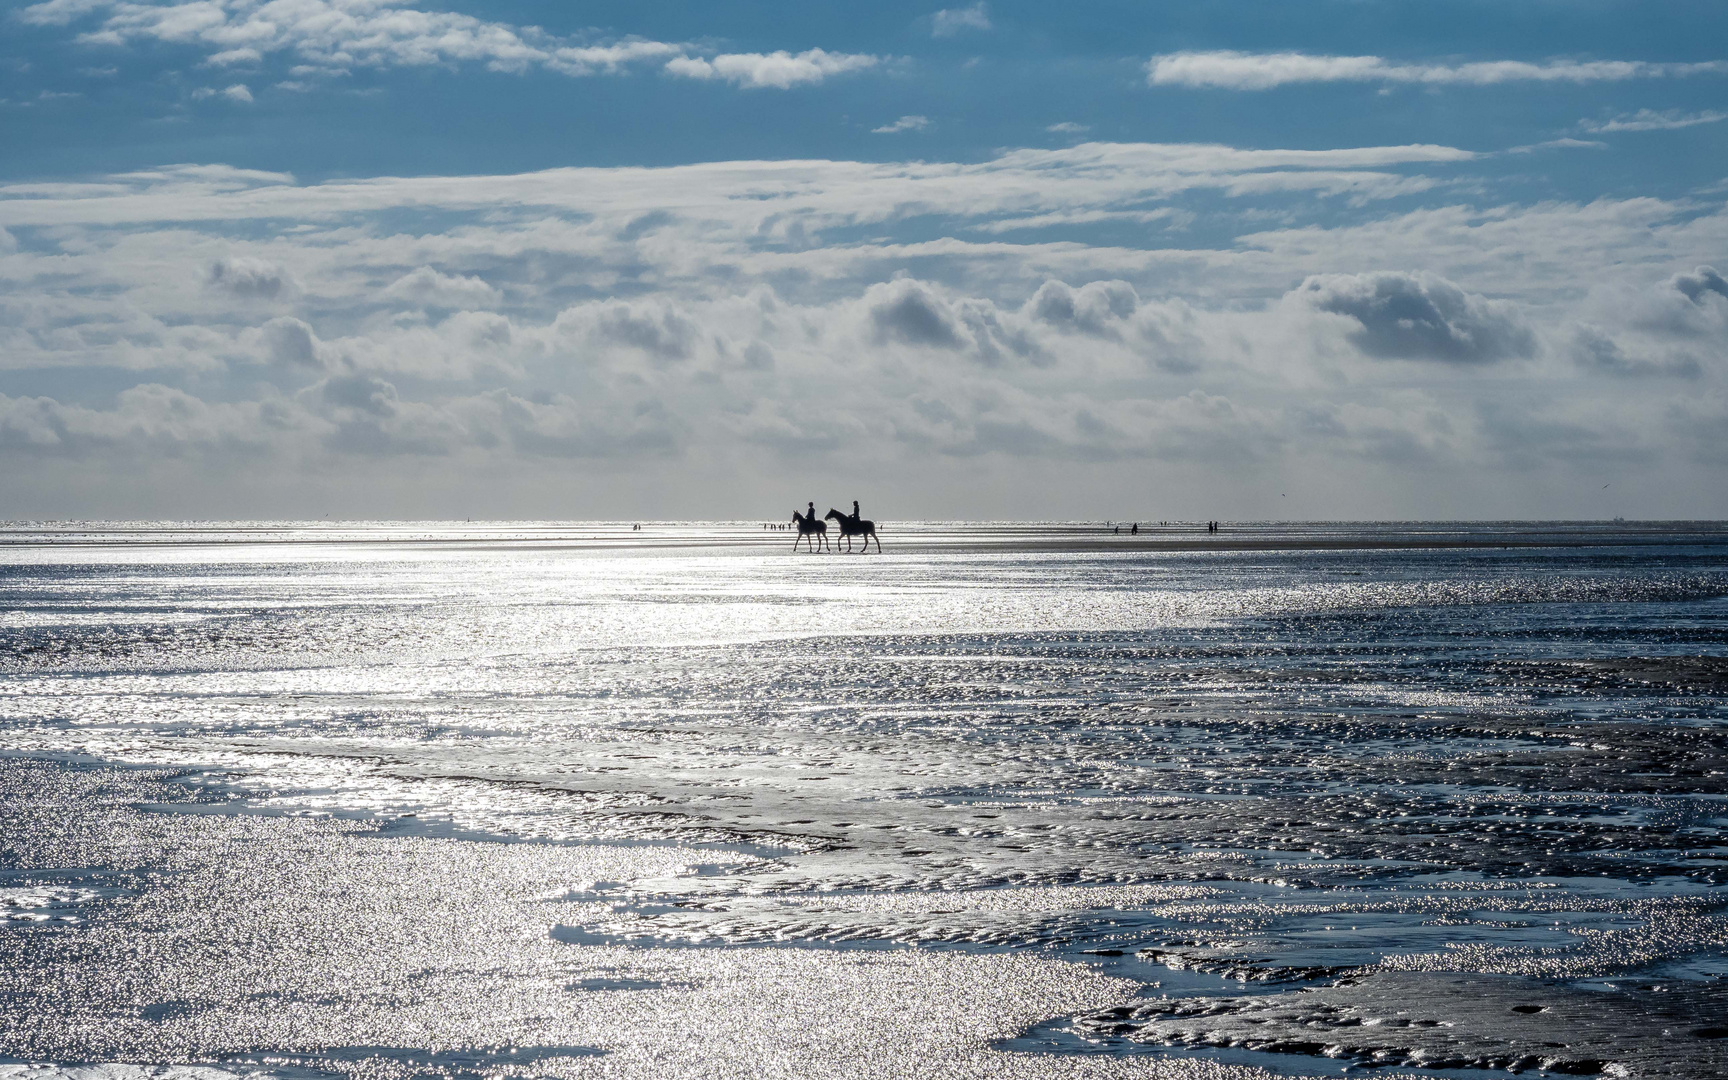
{"x":812,"y":527}
{"x":851,"y":526}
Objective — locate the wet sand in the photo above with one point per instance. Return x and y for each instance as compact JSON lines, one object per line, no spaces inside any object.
{"x":437,"y":801}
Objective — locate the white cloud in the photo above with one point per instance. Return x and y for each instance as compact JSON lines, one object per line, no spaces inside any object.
{"x":60,"y":12}
{"x":609,"y":59}
{"x":1068,"y":127}
{"x":951,"y":21}
{"x":332,"y":37}
{"x":780,"y":70}
{"x":237,"y":93}
{"x":905,"y":123}
{"x":1558,"y":144}
{"x":1230,"y":70}
{"x":1083,"y":177}
{"x":1650,"y":120}
{"x":425,"y":285}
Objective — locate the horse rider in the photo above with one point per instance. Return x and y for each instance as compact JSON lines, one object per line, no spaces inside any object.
{"x":856,"y":516}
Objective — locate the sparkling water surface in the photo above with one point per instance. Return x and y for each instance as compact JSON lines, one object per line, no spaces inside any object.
{"x":1008,"y":799}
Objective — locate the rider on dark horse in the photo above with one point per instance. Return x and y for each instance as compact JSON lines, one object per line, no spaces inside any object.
{"x":853,"y":524}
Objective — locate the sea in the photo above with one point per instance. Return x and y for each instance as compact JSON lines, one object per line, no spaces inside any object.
{"x":391,"y":800}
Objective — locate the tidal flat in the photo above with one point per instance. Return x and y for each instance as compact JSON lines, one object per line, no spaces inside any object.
{"x":389,"y":800}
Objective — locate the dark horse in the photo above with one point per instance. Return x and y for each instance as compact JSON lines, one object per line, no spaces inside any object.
{"x":851,"y":526}
{"x":812,"y":527}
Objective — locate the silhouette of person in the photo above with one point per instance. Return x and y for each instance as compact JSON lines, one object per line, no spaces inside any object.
{"x":810,"y":512}
{"x":855,"y":515}
{"x":1135,"y":531}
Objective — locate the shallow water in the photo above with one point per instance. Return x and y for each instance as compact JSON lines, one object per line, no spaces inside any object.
{"x":1005,"y":800}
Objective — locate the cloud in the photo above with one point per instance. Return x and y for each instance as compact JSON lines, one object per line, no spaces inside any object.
{"x":1098,"y":307}
{"x":1068,"y":127}
{"x":149,"y":419}
{"x":657,"y":330}
{"x":1014,"y":183}
{"x":951,"y":21}
{"x":427,"y":286}
{"x":60,"y":12}
{"x":291,"y":342}
{"x":905,"y":123}
{"x":1230,"y":70}
{"x":1700,"y":284}
{"x":915,"y":313}
{"x":1692,"y":305}
{"x":332,"y":37}
{"x":1402,"y":316}
{"x":1596,"y":351}
{"x":249,"y":278}
{"x":238,"y":93}
{"x":678,"y":326}
{"x":1650,"y":120}
{"x":609,"y":59}
{"x":910,"y":313}
{"x":781,"y":70}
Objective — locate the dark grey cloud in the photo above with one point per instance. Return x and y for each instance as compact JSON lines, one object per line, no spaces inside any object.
{"x":659,"y":330}
{"x":1097,"y":307}
{"x":1404,"y":316}
{"x":1699,"y":284}
{"x":1595,"y":351}
{"x":249,"y":278}
{"x":909,"y":312}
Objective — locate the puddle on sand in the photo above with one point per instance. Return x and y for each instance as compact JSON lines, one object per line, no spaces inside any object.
{"x":1448,"y":1021}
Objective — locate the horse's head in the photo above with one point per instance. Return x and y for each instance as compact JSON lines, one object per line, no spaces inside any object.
{"x":835,"y":514}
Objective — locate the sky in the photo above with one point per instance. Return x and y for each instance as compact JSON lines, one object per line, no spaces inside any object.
{"x":1348,"y":259}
